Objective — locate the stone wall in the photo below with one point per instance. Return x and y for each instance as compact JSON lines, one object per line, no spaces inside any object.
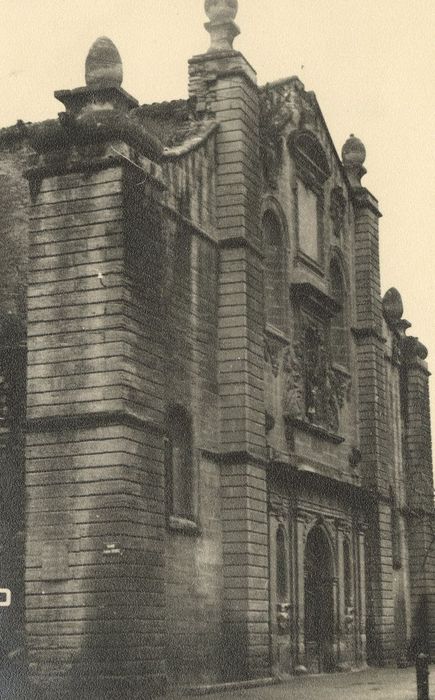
{"x":14,"y":200}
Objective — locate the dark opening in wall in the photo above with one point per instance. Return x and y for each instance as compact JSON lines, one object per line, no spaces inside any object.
{"x":179,"y":464}
{"x":348,"y":578}
{"x":281,"y":566}
{"x":274,"y":269}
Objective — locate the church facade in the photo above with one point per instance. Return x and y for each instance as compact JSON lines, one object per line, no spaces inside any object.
{"x":215,"y":432}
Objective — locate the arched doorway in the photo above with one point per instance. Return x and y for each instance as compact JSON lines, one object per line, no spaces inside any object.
{"x":319,"y":602}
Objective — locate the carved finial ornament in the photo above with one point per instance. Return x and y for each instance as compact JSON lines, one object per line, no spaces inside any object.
{"x":103,"y":64}
{"x":354,"y":154}
{"x":221,"y":27}
{"x":392,"y":306}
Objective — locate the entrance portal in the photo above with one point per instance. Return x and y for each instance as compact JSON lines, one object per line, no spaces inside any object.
{"x":319,"y":602}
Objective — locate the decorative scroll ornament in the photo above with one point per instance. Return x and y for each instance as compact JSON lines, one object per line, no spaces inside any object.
{"x":337,"y":210}
{"x":309,"y":111}
{"x":279,"y":105}
{"x":396,"y":351}
{"x":271,"y":355}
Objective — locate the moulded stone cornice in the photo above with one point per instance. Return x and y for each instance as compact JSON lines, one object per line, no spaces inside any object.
{"x":314,"y":298}
{"x":93,"y":128}
{"x":363,"y":199}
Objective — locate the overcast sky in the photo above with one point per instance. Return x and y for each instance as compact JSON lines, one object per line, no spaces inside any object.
{"x":371,"y":65}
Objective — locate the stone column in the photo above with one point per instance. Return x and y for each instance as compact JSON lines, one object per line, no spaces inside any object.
{"x":340,"y":613}
{"x":362,"y":591}
{"x":300,"y":589}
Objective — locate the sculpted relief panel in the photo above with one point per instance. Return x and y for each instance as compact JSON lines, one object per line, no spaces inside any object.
{"x":314,"y":390}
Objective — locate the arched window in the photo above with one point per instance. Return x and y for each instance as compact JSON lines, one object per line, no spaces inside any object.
{"x":281,"y":566}
{"x":312,"y":170}
{"x":339,"y":330}
{"x":348,"y":578}
{"x":274,"y":267}
{"x":179,"y":464}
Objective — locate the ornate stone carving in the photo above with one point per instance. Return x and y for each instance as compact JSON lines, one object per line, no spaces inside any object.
{"x":294,"y":382}
{"x":271,"y":355}
{"x":309,"y":110}
{"x":413,"y":348}
{"x":314,"y":389}
{"x":337,"y":210}
{"x":355,"y":457}
{"x":279,"y":507}
{"x":396,"y":351}
{"x":269,"y":422}
{"x":4,"y":391}
{"x":308,"y":520}
{"x":283,"y":617}
{"x":337,"y":389}
{"x":279,"y":105}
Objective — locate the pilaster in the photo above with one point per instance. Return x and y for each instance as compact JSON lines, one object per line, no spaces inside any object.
{"x":362,"y":612}
{"x":224,"y":87}
{"x":419,"y":491}
{"x":300,"y":587}
{"x":372,"y":403}
{"x":246,"y":571}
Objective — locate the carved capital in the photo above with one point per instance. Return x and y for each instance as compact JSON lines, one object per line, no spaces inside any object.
{"x":279,"y":507}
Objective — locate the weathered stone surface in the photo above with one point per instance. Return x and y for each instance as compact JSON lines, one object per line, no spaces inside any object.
{"x":103,"y":64}
{"x":209,"y":259}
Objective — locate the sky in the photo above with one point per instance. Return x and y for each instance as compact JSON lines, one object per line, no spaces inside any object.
{"x":371,"y":65}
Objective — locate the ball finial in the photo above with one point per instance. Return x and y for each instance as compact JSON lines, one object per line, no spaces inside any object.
{"x":103,"y":66}
{"x":392,"y":306}
{"x":221,"y":10}
{"x":221,"y":27}
{"x":353,"y":155}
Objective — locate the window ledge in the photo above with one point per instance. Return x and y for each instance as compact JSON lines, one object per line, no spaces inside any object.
{"x":314,"y":429}
{"x":189,"y":527}
{"x":315,"y":265}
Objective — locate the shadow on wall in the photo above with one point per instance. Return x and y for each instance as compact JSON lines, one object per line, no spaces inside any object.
{"x":420,"y":639}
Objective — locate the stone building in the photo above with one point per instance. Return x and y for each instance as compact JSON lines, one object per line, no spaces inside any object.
{"x":215,"y":438}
